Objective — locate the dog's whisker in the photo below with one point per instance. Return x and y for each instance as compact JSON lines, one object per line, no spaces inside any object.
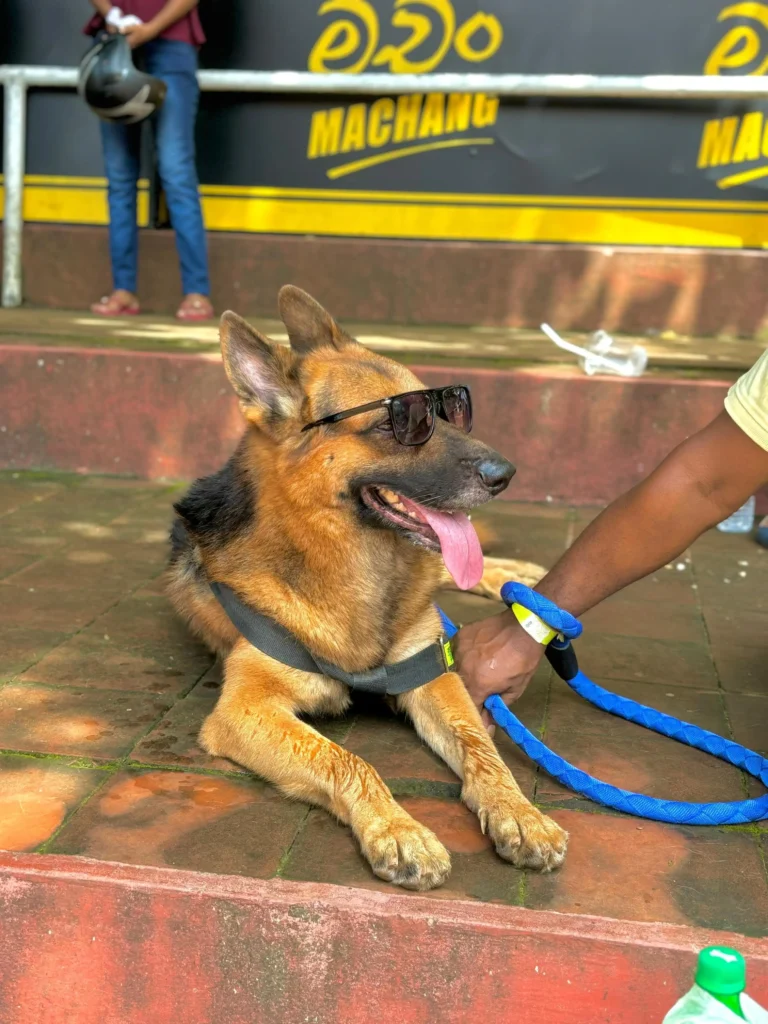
{"x":425,"y":497}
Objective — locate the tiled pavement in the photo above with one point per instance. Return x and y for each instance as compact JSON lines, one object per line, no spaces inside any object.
{"x":102,"y":694}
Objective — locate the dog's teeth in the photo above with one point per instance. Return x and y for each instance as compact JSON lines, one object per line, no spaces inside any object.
{"x":395,"y":502}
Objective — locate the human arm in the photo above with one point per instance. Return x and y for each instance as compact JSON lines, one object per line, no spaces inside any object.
{"x":172,"y":12}
{"x":699,"y":484}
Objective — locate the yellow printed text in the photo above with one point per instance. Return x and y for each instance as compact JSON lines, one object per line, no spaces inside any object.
{"x":363,"y":126}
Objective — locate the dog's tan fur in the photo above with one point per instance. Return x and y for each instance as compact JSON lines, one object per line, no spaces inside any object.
{"x":356,"y":596}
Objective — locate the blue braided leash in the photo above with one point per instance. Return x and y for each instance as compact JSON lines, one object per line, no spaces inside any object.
{"x":563,"y":660}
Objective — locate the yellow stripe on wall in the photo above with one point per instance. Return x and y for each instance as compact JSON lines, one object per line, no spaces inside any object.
{"x":271,"y":192}
{"x":51,"y":199}
{"x":488,"y":223}
{"x":403,"y":215}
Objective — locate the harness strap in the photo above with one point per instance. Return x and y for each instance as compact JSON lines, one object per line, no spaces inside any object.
{"x":278,"y":643}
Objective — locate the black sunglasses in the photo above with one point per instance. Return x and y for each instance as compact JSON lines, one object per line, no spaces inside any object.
{"x":413,"y":413}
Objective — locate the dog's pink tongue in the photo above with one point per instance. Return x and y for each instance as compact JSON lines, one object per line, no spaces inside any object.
{"x":461,"y":549}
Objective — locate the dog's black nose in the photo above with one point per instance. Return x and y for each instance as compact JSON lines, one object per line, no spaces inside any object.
{"x":495,"y":472}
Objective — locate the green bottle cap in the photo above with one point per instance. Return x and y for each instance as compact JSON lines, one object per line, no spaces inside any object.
{"x":721,"y":971}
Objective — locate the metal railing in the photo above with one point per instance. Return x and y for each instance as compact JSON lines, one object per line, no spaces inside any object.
{"x":17,"y":78}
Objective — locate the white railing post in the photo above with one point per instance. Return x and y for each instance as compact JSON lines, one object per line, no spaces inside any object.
{"x":14,"y":145}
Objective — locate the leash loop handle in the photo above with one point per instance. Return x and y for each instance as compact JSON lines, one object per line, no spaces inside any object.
{"x":557,"y":618}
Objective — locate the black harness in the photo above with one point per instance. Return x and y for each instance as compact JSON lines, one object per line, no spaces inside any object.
{"x":278,"y":643}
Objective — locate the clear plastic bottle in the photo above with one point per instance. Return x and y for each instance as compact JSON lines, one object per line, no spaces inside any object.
{"x":610,"y":356}
{"x":718,"y":995}
{"x":742,"y":520}
{"x":603,"y":354}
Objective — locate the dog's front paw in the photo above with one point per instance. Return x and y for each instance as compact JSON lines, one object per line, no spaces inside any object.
{"x":525,"y":836}
{"x":403,"y":851}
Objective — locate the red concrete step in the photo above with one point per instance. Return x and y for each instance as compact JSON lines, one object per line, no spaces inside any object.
{"x":94,"y":943}
{"x":576,"y":287}
{"x":157,"y":415}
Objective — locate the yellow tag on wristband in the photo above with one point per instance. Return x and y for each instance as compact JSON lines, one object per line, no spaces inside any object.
{"x":534,"y":626}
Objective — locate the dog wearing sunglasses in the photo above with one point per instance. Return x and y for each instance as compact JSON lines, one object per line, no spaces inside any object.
{"x":337,"y":517}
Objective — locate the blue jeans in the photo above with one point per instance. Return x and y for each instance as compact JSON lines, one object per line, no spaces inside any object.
{"x":175,"y":63}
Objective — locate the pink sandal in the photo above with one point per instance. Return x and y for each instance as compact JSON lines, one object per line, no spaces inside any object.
{"x":119,"y":303}
{"x":195,"y":307}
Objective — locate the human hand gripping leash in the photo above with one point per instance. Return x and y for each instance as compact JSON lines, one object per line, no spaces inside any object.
{"x":562,"y":657}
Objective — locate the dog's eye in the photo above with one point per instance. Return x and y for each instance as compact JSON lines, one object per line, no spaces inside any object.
{"x":385,"y":427}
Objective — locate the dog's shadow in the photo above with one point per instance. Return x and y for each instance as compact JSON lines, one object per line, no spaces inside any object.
{"x":383,"y":737}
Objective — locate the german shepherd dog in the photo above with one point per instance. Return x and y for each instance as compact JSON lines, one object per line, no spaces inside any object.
{"x":336,"y":533}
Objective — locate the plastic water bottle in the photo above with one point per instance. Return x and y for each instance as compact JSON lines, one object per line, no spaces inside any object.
{"x":610,"y":356}
{"x":603,"y":354}
{"x":742,"y":520}
{"x":718,"y":996}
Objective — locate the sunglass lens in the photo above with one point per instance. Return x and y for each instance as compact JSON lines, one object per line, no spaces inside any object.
{"x":458,"y":408}
{"x":412,"y":418}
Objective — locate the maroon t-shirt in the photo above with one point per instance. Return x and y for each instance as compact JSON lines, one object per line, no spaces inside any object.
{"x":187,"y":29}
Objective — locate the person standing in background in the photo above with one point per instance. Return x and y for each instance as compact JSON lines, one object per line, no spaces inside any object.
{"x":166,"y":35}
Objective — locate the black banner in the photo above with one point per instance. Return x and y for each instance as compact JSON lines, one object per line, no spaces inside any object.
{"x":433,"y":166}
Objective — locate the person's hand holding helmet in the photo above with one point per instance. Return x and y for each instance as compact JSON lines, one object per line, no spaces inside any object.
{"x":130,"y":25}
{"x":137,"y":32}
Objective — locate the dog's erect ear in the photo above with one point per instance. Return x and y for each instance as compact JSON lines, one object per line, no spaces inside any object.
{"x":309,"y":325}
{"x":258,"y":370}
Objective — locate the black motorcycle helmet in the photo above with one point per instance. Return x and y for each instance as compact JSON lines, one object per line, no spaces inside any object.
{"x":113,"y":87}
